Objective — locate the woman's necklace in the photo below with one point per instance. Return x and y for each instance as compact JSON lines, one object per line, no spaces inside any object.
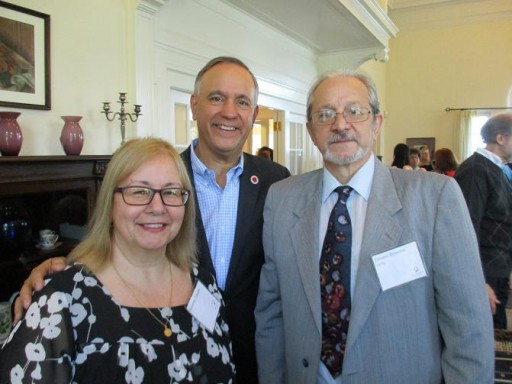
{"x":167,"y":330}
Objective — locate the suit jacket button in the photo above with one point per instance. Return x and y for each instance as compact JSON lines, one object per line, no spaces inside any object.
{"x":305,"y":363}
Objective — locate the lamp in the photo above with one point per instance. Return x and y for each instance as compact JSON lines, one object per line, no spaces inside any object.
{"x":123,"y":116}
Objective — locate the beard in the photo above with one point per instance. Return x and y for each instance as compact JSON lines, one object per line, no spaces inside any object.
{"x":345,"y":159}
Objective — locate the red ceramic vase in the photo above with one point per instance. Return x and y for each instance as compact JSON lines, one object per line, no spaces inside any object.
{"x":10,"y":134}
{"x":72,"y":137}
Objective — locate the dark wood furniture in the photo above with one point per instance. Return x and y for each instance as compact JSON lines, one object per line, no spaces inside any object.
{"x":37,"y":192}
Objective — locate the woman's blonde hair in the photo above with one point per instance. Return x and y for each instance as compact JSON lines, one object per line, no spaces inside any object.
{"x":96,"y":248}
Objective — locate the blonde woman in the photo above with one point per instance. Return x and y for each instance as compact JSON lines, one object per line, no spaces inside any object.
{"x":133,"y":307}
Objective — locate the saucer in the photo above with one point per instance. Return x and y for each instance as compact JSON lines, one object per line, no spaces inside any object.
{"x":56,"y":245}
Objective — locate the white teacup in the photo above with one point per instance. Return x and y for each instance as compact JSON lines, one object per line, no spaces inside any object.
{"x":44,"y":232}
{"x":48,"y":240}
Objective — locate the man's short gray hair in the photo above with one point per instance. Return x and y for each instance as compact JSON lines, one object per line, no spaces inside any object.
{"x":361,"y":76}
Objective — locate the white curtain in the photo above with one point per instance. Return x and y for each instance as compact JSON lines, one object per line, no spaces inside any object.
{"x":463,"y":135}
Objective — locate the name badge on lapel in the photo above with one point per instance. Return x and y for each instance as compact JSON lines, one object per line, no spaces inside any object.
{"x":399,"y":265}
{"x":204,"y":306}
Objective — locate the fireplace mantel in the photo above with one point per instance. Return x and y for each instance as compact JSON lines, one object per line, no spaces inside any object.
{"x":40,"y":184}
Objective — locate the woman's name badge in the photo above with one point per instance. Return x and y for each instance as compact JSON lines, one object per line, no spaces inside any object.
{"x":399,"y":265}
{"x":204,"y":306}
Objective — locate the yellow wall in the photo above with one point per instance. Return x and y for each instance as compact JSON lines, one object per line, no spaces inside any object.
{"x":91,"y":61}
{"x":429,"y":70}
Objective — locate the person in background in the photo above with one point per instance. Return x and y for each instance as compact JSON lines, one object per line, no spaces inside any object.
{"x":401,"y":157}
{"x":444,"y":162}
{"x":366,"y":293}
{"x":414,"y":159}
{"x":425,"y":158}
{"x":230,"y":187}
{"x":266,"y":152}
{"x":484,"y":178}
{"x":119,"y":312}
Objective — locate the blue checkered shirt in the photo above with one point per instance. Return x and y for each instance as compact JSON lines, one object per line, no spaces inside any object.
{"x":219,"y":209}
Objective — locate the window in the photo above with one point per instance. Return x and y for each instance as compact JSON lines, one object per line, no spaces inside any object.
{"x":475,"y":140}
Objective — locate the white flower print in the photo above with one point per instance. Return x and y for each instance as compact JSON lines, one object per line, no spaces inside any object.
{"x":125,"y":314}
{"x":123,"y":354}
{"x":49,"y":326}
{"x":76,"y":294}
{"x":33,"y":316}
{"x":134,"y":375}
{"x":35,"y":352}
{"x":17,"y":374}
{"x":13,"y":331}
{"x":226,"y":358}
{"x":211,"y":346}
{"x":36,"y":373}
{"x":178,"y":368}
{"x":78,"y":313}
{"x":57,"y":302}
{"x":42,"y":301}
{"x":148,"y":349}
{"x":90,"y":323}
{"x":90,"y":281}
{"x":78,"y":276}
{"x":91,"y":319}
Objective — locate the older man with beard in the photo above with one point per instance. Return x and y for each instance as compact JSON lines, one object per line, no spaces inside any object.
{"x":366,"y":293}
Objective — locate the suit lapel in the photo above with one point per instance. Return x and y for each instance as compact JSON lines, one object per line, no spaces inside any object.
{"x":250,"y":189}
{"x":304,"y":236}
{"x":382,"y":231}
{"x":203,"y":250}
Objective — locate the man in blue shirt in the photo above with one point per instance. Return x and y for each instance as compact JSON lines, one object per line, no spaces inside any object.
{"x":231,"y":187}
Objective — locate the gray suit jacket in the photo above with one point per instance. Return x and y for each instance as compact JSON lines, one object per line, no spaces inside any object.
{"x":437,"y":329}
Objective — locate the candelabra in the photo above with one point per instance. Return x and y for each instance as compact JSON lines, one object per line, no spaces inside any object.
{"x":123,"y":116}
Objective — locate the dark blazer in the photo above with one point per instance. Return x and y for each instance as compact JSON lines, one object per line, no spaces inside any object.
{"x":489,"y":200}
{"x":246,"y":259}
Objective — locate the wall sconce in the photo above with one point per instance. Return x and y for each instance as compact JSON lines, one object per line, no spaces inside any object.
{"x":123,"y":116}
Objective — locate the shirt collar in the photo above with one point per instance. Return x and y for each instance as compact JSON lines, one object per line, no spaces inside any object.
{"x":491,"y":156}
{"x":199,"y":168}
{"x":361,"y":182}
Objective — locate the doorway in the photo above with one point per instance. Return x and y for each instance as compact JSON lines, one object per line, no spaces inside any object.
{"x":267,"y":132}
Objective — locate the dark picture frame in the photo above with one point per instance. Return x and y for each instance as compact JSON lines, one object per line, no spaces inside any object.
{"x":418,"y":142}
{"x":24,"y":58}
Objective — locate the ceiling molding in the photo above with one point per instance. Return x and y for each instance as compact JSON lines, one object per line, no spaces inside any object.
{"x":431,"y":14}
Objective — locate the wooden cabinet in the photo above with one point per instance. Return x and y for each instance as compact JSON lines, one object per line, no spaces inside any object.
{"x":38,"y":192}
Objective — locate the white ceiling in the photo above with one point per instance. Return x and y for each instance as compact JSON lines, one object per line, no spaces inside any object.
{"x":324,"y":25}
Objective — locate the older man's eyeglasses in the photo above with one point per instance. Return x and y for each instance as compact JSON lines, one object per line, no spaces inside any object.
{"x":173,"y":197}
{"x":353,"y":114}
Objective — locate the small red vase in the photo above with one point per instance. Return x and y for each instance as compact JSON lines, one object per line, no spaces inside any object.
{"x":10,"y":134}
{"x":72,"y":137}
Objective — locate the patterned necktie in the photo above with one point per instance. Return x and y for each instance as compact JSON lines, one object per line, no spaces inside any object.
{"x":335,"y":283}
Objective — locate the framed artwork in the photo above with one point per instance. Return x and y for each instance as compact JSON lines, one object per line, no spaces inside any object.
{"x":418,"y":142}
{"x":24,"y":58}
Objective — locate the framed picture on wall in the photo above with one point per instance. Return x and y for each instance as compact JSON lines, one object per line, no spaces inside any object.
{"x":418,"y":142}
{"x":24,"y":58}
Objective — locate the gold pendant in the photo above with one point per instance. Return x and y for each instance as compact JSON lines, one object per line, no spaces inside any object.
{"x":167,"y":332}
